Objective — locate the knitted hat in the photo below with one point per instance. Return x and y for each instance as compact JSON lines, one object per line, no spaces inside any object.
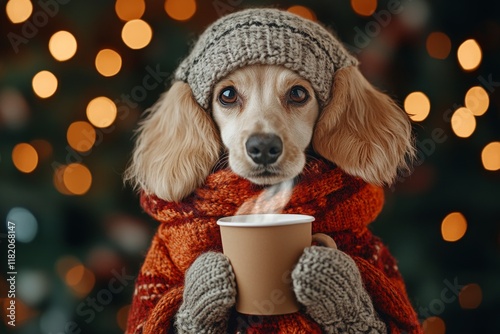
{"x":267,"y":37}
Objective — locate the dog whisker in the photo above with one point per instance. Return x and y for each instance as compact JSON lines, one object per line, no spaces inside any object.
{"x":223,"y":162}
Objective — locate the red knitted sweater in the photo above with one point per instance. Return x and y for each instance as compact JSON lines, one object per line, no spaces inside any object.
{"x":343,"y":207}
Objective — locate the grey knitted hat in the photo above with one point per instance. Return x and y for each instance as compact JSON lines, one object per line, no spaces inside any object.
{"x":267,"y":37}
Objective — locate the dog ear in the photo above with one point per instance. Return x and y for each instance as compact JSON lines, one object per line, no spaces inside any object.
{"x":177,"y":146}
{"x":363,"y":131}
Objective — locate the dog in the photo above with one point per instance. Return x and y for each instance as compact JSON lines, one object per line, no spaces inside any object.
{"x":266,"y":120}
{"x":266,"y":117}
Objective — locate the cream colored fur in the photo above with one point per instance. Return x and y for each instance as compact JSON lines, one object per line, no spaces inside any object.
{"x":361,"y":130}
{"x":177,"y":146}
{"x":264,"y":108}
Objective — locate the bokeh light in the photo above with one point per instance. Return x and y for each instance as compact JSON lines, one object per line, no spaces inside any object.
{"x":130,"y":9}
{"x":24,"y":157}
{"x":108,"y":62}
{"x":74,"y":275}
{"x":303,"y":11}
{"x":14,"y":109}
{"x":44,"y":84}
{"x":490,"y":156}
{"x":122,"y":316}
{"x":364,"y":7}
{"x":477,"y":100}
{"x":417,"y":105}
{"x":434,"y":325}
{"x":101,"y":112}
{"x":18,"y":11}
{"x":438,"y":45}
{"x":78,"y":277}
{"x":62,"y":45}
{"x":58,"y":180}
{"x":85,"y":285}
{"x":77,"y":178}
{"x":470,"y":296}
{"x":453,"y":227}
{"x":469,"y":55}
{"x":25,"y":222}
{"x":180,"y":10}
{"x":33,"y":286}
{"x":81,"y":136}
{"x":463,"y":122}
{"x":137,"y":34}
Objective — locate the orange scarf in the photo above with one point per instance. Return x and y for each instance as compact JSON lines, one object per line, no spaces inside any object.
{"x":343,"y":207}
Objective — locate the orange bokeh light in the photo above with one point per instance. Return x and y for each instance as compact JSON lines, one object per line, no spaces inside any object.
{"x":469,"y":55}
{"x":137,"y":34}
{"x":81,"y":136}
{"x":303,"y":11}
{"x":180,"y":10}
{"x":62,"y":45}
{"x":463,"y":122}
{"x":108,"y":62}
{"x":470,"y":296}
{"x":490,"y":156}
{"x":453,"y":227}
{"x":364,"y":7}
{"x":130,"y":9}
{"x":434,"y":325}
{"x":122,"y":316}
{"x":25,"y":157}
{"x":18,"y":11}
{"x":44,"y":84}
{"x":438,"y":45}
{"x":77,"y":178}
{"x":477,"y":100}
{"x":417,"y":106}
{"x":101,"y":112}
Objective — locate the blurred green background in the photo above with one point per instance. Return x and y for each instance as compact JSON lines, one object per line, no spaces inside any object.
{"x":81,"y":235}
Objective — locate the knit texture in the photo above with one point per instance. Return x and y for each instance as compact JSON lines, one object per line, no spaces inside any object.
{"x":267,"y":37}
{"x":209,"y":294}
{"x":328,"y":283}
{"x":343,"y":207}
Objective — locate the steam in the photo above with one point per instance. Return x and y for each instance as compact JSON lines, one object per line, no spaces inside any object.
{"x":272,"y":199}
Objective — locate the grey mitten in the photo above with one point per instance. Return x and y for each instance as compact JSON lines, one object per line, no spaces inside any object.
{"x":328,"y":283}
{"x":209,"y":294}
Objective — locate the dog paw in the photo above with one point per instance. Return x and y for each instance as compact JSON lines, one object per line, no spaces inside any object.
{"x":209,"y":294}
{"x":328,"y":283}
{"x":324,"y":277}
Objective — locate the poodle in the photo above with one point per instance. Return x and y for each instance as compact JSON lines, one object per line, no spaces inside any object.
{"x":266,"y":97}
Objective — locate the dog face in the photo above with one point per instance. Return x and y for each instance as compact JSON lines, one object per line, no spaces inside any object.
{"x":266,"y":116}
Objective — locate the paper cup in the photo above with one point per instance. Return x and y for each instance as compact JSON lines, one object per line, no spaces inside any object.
{"x":263,"y":249}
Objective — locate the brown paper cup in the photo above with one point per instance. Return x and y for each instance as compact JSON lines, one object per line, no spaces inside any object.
{"x":263,"y":249}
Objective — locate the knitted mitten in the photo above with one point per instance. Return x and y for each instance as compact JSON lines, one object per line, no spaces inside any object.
{"x":209,"y":294}
{"x":328,"y":283}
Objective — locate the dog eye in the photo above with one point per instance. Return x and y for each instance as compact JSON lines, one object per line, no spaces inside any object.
{"x":298,"y":94}
{"x":228,"y":96}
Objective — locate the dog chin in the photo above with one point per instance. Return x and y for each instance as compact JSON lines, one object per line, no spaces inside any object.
{"x":269,"y":175}
{"x":267,"y":179}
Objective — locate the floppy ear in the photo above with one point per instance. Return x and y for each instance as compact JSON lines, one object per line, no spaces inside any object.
{"x":176,"y":148}
{"x":363,"y":131}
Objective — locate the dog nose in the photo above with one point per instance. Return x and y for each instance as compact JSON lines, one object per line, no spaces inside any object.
{"x":263,"y":148}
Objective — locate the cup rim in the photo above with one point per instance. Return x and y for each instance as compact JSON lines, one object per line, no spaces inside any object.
{"x":264,"y":219}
